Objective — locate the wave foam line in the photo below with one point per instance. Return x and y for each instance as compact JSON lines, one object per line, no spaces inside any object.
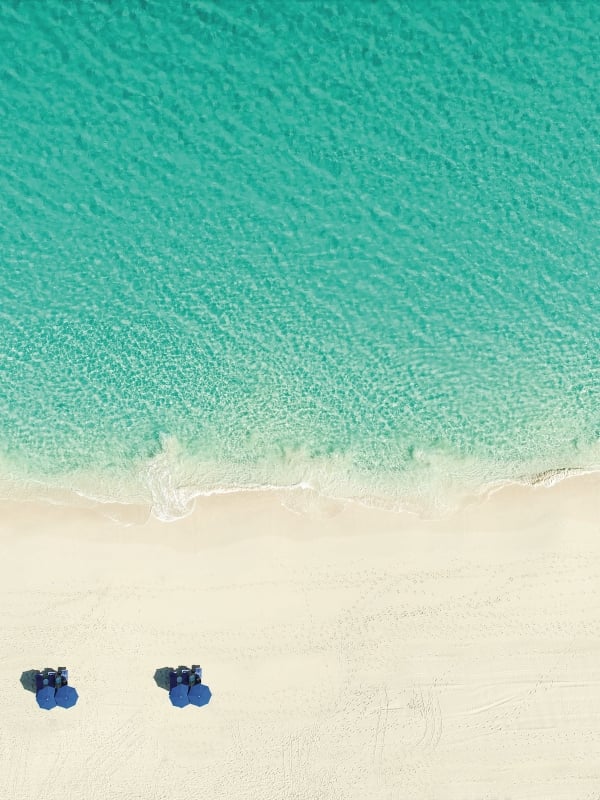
{"x":168,"y":484}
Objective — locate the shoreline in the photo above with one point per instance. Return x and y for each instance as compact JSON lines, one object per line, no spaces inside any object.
{"x":223,"y":519}
{"x":300,"y":497}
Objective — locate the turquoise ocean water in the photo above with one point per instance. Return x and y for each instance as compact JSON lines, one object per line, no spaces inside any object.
{"x":346,"y":245}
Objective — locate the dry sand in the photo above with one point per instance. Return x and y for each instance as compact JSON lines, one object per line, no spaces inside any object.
{"x":351,"y":653}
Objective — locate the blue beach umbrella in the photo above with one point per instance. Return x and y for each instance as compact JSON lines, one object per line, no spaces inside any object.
{"x":45,"y":697}
{"x":199,"y":694}
{"x":179,"y":695}
{"x":66,"y":697}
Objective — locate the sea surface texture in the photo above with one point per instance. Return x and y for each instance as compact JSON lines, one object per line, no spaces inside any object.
{"x":346,"y":246}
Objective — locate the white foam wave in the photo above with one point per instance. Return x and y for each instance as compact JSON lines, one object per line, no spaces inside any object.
{"x":168,"y":484}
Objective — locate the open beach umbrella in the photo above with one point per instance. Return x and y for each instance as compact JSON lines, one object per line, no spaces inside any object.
{"x":179,"y":695}
{"x":199,"y":694}
{"x":45,"y":697}
{"x":66,"y":697}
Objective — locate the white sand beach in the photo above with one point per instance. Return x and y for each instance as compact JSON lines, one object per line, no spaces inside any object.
{"x":351,"y":653}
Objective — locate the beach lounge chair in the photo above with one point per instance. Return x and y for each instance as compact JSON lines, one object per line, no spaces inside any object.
{"x":196,"y":676}
{"x":178,"y":687}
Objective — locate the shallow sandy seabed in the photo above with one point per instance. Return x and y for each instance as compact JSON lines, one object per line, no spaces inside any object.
{"x":351,"y":653}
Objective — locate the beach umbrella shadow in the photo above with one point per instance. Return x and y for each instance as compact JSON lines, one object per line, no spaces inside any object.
{"x":27,"y":680}
{"x":161,"y":678}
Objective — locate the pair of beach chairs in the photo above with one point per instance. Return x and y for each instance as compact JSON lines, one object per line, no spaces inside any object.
{"x":52,"y":688}
{"x":186,"y":687}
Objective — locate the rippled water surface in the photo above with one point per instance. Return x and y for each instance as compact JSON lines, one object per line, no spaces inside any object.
{"x":343,"y":244}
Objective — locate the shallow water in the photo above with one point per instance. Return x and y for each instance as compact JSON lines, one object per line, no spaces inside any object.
{"x":344,"y":245}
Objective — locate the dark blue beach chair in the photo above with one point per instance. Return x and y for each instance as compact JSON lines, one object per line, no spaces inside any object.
{"x":45,"y":689}
{"x":185,"y":675}
{"x":45,"y":677}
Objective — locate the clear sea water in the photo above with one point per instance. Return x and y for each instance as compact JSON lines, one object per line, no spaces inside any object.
{"x":352,"y":246}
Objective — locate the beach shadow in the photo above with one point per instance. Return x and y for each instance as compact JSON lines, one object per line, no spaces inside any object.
{"x":28,"y":679}
{"x":161,"y":677}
